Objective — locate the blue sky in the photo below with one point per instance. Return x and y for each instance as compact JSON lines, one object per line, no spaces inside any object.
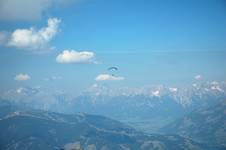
{"x":151,"y":42}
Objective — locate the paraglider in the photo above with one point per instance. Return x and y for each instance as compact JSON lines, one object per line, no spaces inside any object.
{"x":112,"y":70}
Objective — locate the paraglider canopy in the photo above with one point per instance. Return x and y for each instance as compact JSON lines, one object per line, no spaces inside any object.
{"x":112,"y":70}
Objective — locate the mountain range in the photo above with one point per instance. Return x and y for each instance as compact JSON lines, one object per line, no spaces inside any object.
{"x":37,"y":129}
{"x":144,"y":122}
{"x":156,"y":106}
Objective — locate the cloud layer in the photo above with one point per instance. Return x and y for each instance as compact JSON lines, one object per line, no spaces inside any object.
{"x":22,"y":77}
{"x":72,"y":56}
{"x":105,"y":77}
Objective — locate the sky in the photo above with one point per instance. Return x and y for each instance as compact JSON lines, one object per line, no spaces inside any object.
{"x":69,"y":45}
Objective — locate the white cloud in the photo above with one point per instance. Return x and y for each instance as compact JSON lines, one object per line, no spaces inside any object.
{"x":32,"y":38}
{"x":22,"y":77}
{"x":26,"y":10}
{"x":104,"y":77}
{"x":72,"y":56}
{"x":198,"y":77}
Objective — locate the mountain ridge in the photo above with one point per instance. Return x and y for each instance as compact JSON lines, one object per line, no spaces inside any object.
{"x":207,"y":125}
{"x":37,"y":129}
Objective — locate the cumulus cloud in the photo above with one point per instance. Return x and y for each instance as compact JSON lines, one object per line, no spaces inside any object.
{"x":22,"y":77}
{"x":72,"y":56}
{"x":104,"y":77}
{"x":31,"y":39}
{"x":34,"y":39}
{"x":198,"y":77}
{"x":26,"y":10}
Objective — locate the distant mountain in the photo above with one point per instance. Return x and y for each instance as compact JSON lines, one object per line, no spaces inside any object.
{"x":190,"y":97}
{"x":146,"y":109}
{"x":128,"y":106}
{"x":204,"y":125}
{"x":150,"y":108}
{"x":34,"y":129}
